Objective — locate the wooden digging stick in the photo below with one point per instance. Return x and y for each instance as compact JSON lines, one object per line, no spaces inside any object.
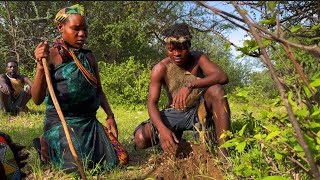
{"x":63,"y":121}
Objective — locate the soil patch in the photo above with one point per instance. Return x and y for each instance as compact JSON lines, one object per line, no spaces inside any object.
{"x":192,"y":161}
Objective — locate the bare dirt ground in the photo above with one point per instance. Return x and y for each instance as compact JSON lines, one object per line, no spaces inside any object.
{"x":192,"y":161}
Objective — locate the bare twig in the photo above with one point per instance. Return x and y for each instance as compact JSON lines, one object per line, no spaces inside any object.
{"x":314,"y":48}
{"x":297,"y":67}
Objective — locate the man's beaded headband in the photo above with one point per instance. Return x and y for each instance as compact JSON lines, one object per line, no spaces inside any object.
{"x":177,"y":39}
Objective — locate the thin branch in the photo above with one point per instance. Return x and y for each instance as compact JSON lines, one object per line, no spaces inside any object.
{"x":223,"y":37}
{"x":224,"y":15}
{"x":252,"y":6}
{"x":297,"y":67}
{"x":291,"y":115}
{"x":313,"y":48}
{"x":290,"y":158}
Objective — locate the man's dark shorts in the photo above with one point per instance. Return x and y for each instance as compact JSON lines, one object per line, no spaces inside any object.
{"x":176,"y":121}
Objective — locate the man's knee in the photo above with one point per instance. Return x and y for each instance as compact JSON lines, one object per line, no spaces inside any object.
{"x":215,"y":92}
{"x":142,"y":138}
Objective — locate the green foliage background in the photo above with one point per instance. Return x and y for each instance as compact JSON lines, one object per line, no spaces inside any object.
{"x":125,"y":37}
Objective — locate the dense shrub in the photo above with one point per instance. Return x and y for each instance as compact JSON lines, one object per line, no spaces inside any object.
{"x":125,"y":83}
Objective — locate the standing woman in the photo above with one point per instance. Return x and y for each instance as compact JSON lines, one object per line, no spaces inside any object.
{"x":76,"y":82}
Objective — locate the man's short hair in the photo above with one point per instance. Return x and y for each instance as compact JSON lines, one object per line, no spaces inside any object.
{"x":11,"y":60}
{"x":178,"y":33}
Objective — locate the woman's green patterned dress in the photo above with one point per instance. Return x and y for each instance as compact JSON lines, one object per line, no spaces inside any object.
{"x":79,"y":101}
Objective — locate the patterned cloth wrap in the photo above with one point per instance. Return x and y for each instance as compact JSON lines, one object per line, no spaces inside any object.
{"x":79,"y":102}
{"x":11,"y":159}
{"x":122,"y":154}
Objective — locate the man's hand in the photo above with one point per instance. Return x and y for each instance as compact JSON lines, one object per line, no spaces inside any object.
{"x":169,"y":142}
{"x":112,"y":126}
{"x":5,"y":88}
{"x":179,"y":100}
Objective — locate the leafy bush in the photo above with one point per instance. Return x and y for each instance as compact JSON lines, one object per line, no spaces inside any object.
{"x":125,"y":84}
{"x":264,"y":145}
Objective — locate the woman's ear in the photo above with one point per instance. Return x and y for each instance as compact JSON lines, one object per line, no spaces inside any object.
{"x":60,"y":27}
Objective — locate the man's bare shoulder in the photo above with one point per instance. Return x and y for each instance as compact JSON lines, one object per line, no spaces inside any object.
{"x":161,"y":66}
{"x":197,"y":54}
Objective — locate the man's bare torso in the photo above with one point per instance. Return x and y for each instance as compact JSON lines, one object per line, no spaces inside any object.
{"x":191,"y":66}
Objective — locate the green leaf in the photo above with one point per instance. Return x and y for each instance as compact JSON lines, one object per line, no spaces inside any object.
{"x":315,"y":113}
{"x":242,"y":130}
{"x":272,"y":135}
{"x":278,"y":156}
{"x":227,"y":45}
{"x":231,"y":143}
{"x":316,"y":76}
{"x":315,"y":83}
{"x":259,"y":136}
{"x":243,"y":93}
{"x":292,"y":103}
{"x":273,"y":18}
{"x":254,"y":48}
{"x":298,"y":148}
{"x":271,"y":5}
{"x":266,"y":42}
{"x":265,"y":21}
{"x":314,"y":124}
{"x":313,"y":39}
{"x":315,"y":27}
{"x":296,"y":28}
{"x":307,"y":91}
{"x":275,"y":178}
{"x":302,"y":112}
{"x":240,"y":147}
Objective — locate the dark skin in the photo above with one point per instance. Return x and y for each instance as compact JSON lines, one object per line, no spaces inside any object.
{"x":213,"y":95}
{"x":12,"y":71}
{"x":74,"y":32}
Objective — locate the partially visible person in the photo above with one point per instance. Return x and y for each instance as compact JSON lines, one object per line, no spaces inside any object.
{"x":76,"y":82}
{"x":14,"y":89}
{"x":12,"y":158}
{"x":190,"y":78}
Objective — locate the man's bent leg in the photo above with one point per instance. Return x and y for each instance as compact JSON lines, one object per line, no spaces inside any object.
{"x":145,"y":135}
{"x":25,"y":99}
{"x":219,"y":107}
{"x":22,"y":100}
{"x":5,"y":102}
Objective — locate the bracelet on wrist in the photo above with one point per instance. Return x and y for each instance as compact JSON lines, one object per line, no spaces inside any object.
{"x":111,"y":115}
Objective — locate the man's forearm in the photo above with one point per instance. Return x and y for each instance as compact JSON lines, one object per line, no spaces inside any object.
{"x":155,"y":117}
{"x":208,"y":81}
